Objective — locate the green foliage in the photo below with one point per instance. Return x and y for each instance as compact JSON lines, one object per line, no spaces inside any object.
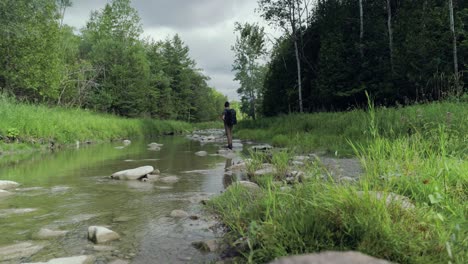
{"x":336,"y":74}
{"x":426,"y":163}
{"x":108,"y":67}
{"x":35,"y":124}
{"x":249,"y":49}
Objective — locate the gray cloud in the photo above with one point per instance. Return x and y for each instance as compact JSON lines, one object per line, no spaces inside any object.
{"x":206,"y":26}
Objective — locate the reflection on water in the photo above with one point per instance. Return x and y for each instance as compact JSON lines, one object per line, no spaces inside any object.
{"x":71,"y":191}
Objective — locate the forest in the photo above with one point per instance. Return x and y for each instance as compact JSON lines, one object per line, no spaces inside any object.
{"x":332,"y":51}
{"x":106,"y":66}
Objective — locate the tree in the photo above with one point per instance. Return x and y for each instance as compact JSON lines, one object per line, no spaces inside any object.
{"x":248,"y":49}
{"x":291,"y":16}
{"x":454,"y":37}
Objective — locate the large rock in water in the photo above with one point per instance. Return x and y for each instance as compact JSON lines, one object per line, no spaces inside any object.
{"x":5,"y":193}
{"x":99,"y":234}
{"x":18,"y":251}
{"x":5,"y":185}
{"x":331,"y":257}
{"x":133,"y":174}
{"x":70,"y":260}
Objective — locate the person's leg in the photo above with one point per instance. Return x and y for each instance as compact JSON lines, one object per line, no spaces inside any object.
{"x":229,"y":135}
{"x":226,"y":129}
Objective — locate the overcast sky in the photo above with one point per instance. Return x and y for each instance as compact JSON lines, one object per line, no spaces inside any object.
{"x":206,"y":26}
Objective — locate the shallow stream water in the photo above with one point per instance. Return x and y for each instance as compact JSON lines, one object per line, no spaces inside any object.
{"x":71,"y":191}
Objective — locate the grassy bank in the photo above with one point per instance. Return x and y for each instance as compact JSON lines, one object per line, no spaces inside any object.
{"x":32,"y":126}
{"x":419,"y":152}
{"x":331,"y":131}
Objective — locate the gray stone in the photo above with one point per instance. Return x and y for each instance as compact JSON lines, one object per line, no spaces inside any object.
{"x":46,"y":233}
{"x":301,"y":158}
{"x":70,"y":260}
{"x":297,"y":163}
{"x":6,"y":185}
{"x":119,"y":261}
{"x":206,"y":246}
{"x":249,"y":185}
{"x":179,"y":214}
{"x":238,"y":167}
{"x":266,"y":171}
{"x":126,"y":142}
{"x":169,"y":179}
{"x":4,"y":194}
{"x":20,"y":250}
{"x":100,"y":234}
{"x":103,"y":248}
{"x":8,"y":212}
{"x":155,"y":145}
{"x":133,"y":174}
{"x":201,"y":153}
{"x":335,"y":257}
{"x":154,"y":148}
{"x":122,"y":219}
{"x":390,"y":198}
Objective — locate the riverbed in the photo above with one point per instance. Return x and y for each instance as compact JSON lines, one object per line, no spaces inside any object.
{"x":71,"y":190}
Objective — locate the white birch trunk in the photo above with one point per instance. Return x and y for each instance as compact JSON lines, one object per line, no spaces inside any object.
{"x":361,"y":35}
{"x":455,"y":57}
{"x":390,"y":32}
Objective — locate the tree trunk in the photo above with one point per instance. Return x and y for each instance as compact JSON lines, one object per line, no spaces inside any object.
{"x":455,"y":57}
{"x":361,"y":35}
{"x":390,"y":33}
{"x":299,"y":81}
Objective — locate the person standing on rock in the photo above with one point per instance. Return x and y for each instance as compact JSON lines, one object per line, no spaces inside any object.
{"x":229,"y":118}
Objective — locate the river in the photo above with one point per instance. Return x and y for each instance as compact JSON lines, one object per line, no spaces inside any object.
{"x":70,"y":190}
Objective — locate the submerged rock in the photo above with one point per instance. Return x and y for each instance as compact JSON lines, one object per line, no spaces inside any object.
{"x":201,"y":153}
{"x":133,"y":174}
{"x":169,"y":179}
{"x":46,"y":233}
{"x":18,"y":251}
{"x":154,"y":145}
{"x":179,"y":214}
{"x":349,"y":257}
{"x":70,"y":260}
{"x":4,"y":193}
{"x":8,"y":212}
{"x":126,"y":142}
{"x":100,"y":234}
{"x":6,"y":185}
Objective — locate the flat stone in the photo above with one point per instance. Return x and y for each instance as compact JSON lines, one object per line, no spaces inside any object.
{"x":133,"y":174}
{"x":238,"y":167}
{"x":179,"y":214}
{"x":170,"y":179}
{"x":103,"y":248}
{"x":390,"y":198}
{"x":237,"y":145}
{"x":70,"y":260}
{"x":266,"y":171}
{"x":335,"y":257}
{"x":126,"y":142}
{"x":201,"y":153}
{"x":100,"y":234}
{"x":119,"y":261}
{"x":122,"y":219}
{"x":9,"y":212}
{"x":155,"y":145}
{"x":249,"y":185}
{"x":6,"y":185}
{"x":46,"y":233}
{"x":4,"y":194}
{"x":20,"y":250}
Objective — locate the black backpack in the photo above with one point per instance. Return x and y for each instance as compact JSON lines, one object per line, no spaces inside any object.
{"x":230,"y":117}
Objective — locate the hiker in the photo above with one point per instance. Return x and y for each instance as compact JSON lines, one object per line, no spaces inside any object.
{"x":229,"y":118}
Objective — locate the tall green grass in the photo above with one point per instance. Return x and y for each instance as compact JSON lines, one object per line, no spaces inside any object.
{"x":331,"y":131}
{"x":421,"y":154}
{"x":41,"y":124}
